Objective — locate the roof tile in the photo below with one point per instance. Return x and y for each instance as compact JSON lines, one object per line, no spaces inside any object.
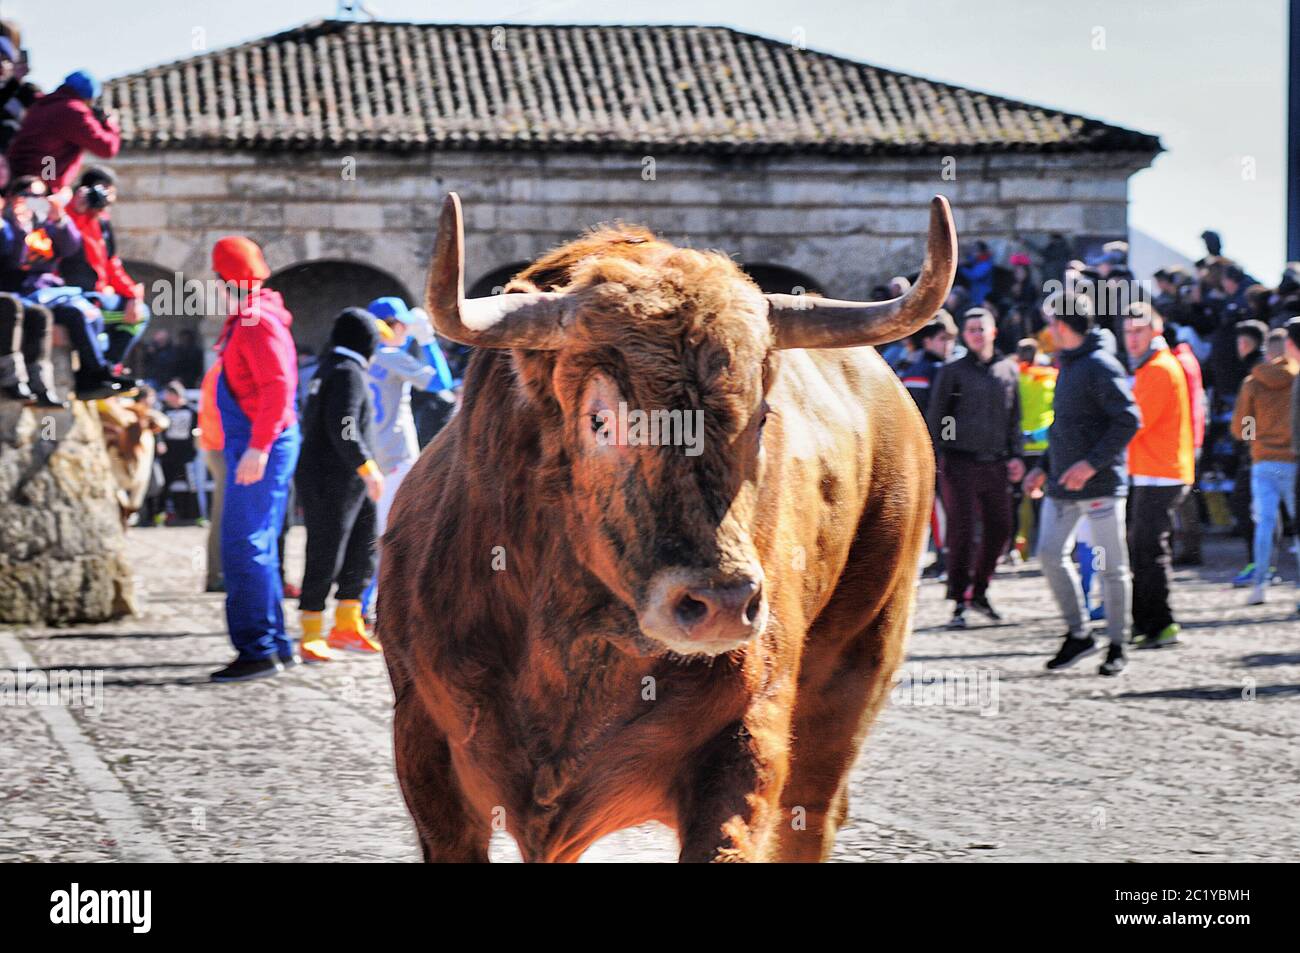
{"x":401,"y":86}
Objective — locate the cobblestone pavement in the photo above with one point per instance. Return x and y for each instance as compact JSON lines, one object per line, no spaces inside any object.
{"x":1191,"y":755}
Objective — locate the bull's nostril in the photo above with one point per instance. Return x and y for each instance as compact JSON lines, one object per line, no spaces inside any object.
{"x":690,"y":610}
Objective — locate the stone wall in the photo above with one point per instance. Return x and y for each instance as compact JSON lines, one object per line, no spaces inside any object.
{"x":850,"y":224}
{"x":62,"y":547}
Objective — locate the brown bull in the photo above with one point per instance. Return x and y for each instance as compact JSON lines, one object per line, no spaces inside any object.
{"x":130,"y":432}
{"x":585,"y":631}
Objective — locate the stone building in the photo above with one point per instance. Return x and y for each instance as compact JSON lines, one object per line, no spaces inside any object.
{"x":332,"y":145}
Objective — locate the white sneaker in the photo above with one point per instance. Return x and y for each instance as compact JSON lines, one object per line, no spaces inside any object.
{"x":1256,"y":597}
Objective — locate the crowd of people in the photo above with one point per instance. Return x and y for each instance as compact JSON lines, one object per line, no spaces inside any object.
{"x":261,"y":409}
{"x":1077,"y":413}
{"x":58,"y":257}
{"x":336,"y":440}
{"x":1088,"y":418}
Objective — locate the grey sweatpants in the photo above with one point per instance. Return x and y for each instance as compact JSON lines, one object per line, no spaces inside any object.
{"x":1060,"y":520}
{"x":216,"y":461}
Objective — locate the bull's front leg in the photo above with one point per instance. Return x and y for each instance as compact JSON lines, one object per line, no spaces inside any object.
{"x":730,"y":799}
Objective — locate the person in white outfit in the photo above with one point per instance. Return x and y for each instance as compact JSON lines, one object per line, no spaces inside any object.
{"x":394,"y":371}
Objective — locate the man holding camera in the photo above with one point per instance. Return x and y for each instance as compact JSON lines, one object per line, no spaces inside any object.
{"x":60,"y":127}
{"x":96,"y":268}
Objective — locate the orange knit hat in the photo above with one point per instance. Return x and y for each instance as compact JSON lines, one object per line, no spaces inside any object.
{"x":235,"y":258}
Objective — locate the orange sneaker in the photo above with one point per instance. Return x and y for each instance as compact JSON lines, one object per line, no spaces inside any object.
{"x":313,"y":647}
{"x":349,"y":632}
{"x":350,"y":641}
{"x":315,"y":650}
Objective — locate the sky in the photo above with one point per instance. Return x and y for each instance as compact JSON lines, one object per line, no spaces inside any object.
{"x":1207,"y":76}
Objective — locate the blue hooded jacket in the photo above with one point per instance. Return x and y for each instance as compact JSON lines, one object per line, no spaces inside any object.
{"x":1096,"y":417}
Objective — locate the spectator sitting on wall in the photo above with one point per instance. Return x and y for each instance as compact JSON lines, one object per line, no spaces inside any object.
{"x":26,"y":373}
{"x":16,"y":94}
{"x":61,"y":126}
{"x":31,"y":249}
{"x":96,"y":268}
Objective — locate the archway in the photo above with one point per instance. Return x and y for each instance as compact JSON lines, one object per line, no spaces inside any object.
{"x":495,"y":279}
{"x":778,"y":279}
{"x":316,"y":291}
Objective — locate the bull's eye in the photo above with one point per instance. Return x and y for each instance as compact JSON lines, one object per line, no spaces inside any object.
{"x":597,"y":422}
{"x":762,"y":419}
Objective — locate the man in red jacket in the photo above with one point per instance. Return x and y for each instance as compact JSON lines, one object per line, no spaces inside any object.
{"x":255,"y":397}
{"x":59,"y":127}
{"x":96,"y":268}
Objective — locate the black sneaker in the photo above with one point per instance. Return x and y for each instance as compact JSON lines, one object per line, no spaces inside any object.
{"x":97,"y":389}
{"x":18,"y":391}
{"x":290,"y":660}
{"x":243,"y":670}
{"x":49,"y":400}
{"x":1115,"y":661}
{"x":958,"y":620}
{"x":981,"y":604}
{"x":1072,"y":649}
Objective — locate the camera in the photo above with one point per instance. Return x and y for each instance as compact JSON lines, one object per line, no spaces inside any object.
{"x":97,"y":197}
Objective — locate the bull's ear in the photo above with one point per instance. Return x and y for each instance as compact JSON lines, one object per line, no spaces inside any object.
{"x":808,"y":322}
{"x":534,"y":321}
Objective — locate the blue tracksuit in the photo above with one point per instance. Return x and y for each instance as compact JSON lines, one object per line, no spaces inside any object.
{"x":250,"y":528}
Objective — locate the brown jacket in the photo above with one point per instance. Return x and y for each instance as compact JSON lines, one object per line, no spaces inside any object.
{"x":1262,"y":417}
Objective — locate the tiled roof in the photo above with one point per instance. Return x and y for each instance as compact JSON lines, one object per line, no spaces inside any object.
{"x":397,"y":86}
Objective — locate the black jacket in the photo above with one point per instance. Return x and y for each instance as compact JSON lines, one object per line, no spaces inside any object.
{"x":918,"y":377}
{"x":975,"y":408}
{"x":1096,"y":417}
{"x":336,"y":434}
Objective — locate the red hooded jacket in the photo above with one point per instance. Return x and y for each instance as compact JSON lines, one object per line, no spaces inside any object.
{"x":60,"y":125}
{"x":1195,"y":390}
{"x":260,"y":363}
{"x":110,"y":273}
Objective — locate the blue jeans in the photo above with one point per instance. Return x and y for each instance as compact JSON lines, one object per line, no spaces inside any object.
{"x":251,"y":518}
{"x":121,"y":337}
{"x":1271,"y":483}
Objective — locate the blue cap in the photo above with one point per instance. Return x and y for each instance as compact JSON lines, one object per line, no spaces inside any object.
{"x":389,"y":309}
{"x":1107,"y":258}
{"x":83,"y":84}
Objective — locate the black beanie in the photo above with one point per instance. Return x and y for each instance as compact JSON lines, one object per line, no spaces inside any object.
{"x":1253,"y":329}
{"x":355,"y":330}
{"x":1293,"y":331}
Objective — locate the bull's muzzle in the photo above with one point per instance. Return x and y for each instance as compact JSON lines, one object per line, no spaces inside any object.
{"x":695,"y":614}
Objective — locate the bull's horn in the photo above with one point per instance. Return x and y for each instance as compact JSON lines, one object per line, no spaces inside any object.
{"x":533,"y":321}
{"x":810,"y":322}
